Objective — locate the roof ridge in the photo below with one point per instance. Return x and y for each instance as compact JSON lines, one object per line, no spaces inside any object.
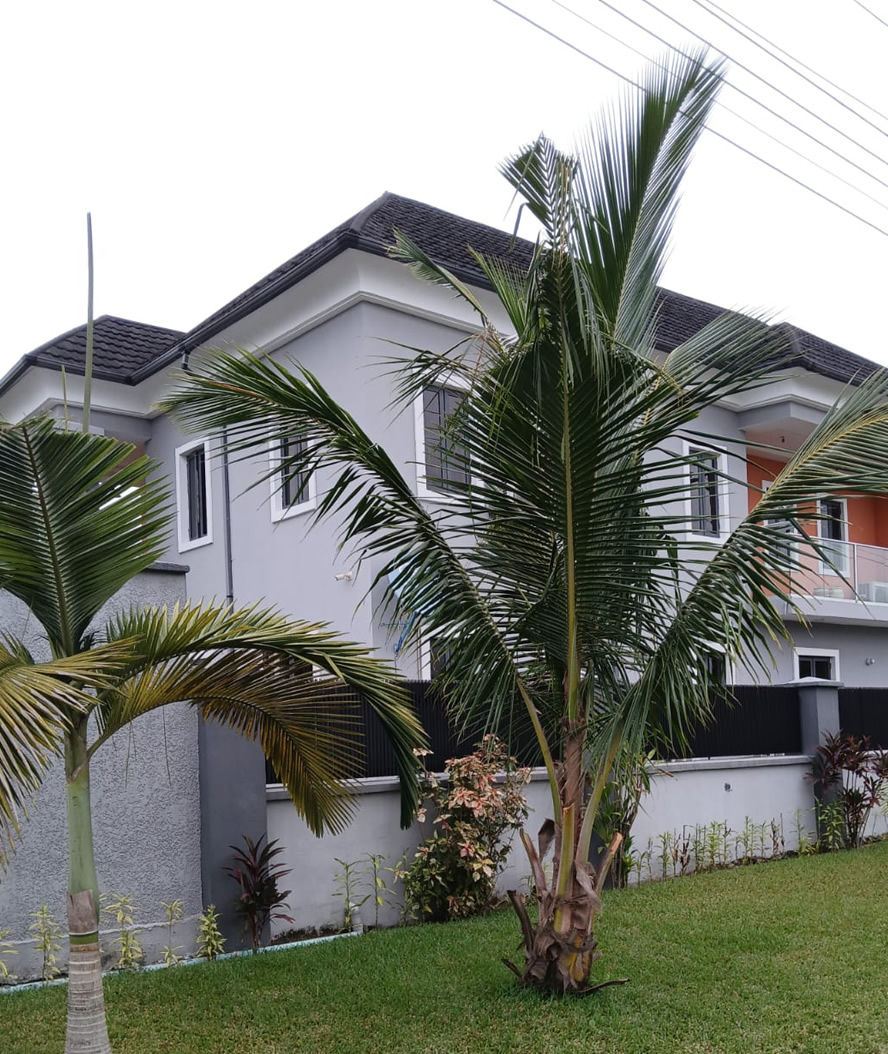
{"x":356,"y":223}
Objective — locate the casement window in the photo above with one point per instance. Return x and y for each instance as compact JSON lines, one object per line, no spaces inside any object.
{"x":434,"y":655}
{"x":193,"y":495}
{"x":833,"y":532}
{"x":717,"y":669}
{"x":707,"y":515}
{"x":442,"y":462}
{"x":816,"y":662}
{"x":292,"y":492}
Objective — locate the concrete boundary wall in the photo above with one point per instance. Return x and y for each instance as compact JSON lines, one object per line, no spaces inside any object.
{"x":683,"y":794}
{"x":146,"y":809}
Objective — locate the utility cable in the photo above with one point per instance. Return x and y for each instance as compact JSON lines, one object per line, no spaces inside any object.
{"x":878,"y":18}
{"x":768,"y":135}
{"x":818,"y":87}
{"x":798,"y":62}
{"x":757,"y":102}
{"x":635,"y":84}
{"x":727,"y":109}
{"x":767,"y":83}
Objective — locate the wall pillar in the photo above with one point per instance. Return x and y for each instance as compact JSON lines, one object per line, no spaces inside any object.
{"x":232,"y":804}
{"x":818,"y":711}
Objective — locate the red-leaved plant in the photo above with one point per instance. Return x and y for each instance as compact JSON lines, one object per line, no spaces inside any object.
{"x":257,"y":878}
{"x":453,"y":873}
{"x":850,"y":771}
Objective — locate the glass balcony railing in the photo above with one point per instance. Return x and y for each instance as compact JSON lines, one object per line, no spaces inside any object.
{"x":864,"y":574}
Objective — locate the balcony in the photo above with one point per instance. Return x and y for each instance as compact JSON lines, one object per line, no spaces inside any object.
{"x":858,"y":595}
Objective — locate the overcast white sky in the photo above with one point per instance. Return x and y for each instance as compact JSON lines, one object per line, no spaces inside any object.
{"x":214,"y":140}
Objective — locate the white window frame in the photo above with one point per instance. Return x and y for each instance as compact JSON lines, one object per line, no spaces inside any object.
{"x":724,"y":493}
{"x":279,"y":511}
{"x":818,"y":653}
{"x":181,"y":453}
{"x":422,"y":489}
{"x":845,"y":545}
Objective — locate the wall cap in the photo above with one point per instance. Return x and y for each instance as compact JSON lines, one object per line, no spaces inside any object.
{"x":389,"y":784}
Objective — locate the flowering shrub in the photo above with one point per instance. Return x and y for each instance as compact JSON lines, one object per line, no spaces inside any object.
{"x":453,"y":873}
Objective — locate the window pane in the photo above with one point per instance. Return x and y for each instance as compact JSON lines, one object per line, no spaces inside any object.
{"x":294,"y":490}
{"x":834,"y":526}
{"x":439,"y":655}
{"x":705,"y":513}
{"x":196,"y":484}
{"x":816,"y":666}
{"x":716,"y":669}
{"x":445,"y":458}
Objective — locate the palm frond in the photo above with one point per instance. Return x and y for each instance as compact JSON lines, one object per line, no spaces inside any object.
{"x":37,"y":704}
{"x":253,"y":670}
{"x":79,"y":518}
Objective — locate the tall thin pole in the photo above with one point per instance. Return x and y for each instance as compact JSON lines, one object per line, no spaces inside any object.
{"x":88,"y":365}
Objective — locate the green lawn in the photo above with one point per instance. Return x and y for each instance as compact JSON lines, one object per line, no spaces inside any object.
{"x":791,"y":956}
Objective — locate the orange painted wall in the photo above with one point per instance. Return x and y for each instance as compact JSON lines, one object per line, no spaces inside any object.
{"x":759,"y":470}
{"x":867,"y":515}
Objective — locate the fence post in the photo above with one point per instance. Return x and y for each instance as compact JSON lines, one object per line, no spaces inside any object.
{"x":818,"y":711}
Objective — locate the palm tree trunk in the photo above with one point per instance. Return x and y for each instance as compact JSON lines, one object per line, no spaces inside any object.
{"x":560,"y":949}
{"x":87,"y":1031}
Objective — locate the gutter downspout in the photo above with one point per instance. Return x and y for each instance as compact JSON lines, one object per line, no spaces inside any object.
{"x":226,"y":520}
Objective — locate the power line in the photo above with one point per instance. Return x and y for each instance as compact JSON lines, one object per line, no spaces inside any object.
{"x":740,"y":117}
{"x":873,"y":13}
{"x":762,"y":47}
{"x":798,"y":62}
{"x":773,"y":88}
{"x":635,"y":84}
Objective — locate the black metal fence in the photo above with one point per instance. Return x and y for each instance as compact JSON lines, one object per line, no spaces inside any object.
{"x":759,"y":719}
{"x":864,"y":712}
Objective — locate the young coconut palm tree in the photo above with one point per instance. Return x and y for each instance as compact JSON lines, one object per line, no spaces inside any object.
{"x":563,"y":573}
{"x":79,"y":518}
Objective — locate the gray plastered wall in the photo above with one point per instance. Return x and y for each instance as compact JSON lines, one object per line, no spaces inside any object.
{"x":146,"y":810}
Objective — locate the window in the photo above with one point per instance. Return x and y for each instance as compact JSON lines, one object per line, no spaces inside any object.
{"x":716,"y":669}
{"x":193,"y":495}
{"x":817,"y":662}
{"x":705,"y":493}
{"x":292,"y":491}
{"x":442,"y":459}
{"x":440,"y":651}
{"x":832,"y":530}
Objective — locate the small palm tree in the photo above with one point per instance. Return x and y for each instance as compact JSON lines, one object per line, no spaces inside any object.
{"x":79,"y":518}
{"x":575,"y":599}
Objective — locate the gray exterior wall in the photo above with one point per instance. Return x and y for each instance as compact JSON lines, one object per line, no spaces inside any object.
{"x":146,"y":810}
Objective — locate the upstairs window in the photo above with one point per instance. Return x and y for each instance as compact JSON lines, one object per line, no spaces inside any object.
{"x":443,"y":459}
{"x":707,"y":517}
{"x":817,"y":662}
{"x":292,"y":491}
{"x":832,"y":530}
{"x":193,"y":495}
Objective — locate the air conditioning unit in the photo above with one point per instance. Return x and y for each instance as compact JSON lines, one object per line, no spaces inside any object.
{"x":873,"y":592}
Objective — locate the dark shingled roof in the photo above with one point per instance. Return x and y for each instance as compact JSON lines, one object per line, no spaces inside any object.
{"x":131,"y":352}
{"x":120,"y":348}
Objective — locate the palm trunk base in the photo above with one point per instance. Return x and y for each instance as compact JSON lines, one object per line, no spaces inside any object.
{"x":555,"y":961}
{"x":87,"y":1030}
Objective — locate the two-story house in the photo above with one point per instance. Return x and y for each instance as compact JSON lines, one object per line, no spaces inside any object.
{"x":337,"y":307}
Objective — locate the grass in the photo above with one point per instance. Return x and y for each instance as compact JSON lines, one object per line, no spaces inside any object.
{"x":781,"y":957}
